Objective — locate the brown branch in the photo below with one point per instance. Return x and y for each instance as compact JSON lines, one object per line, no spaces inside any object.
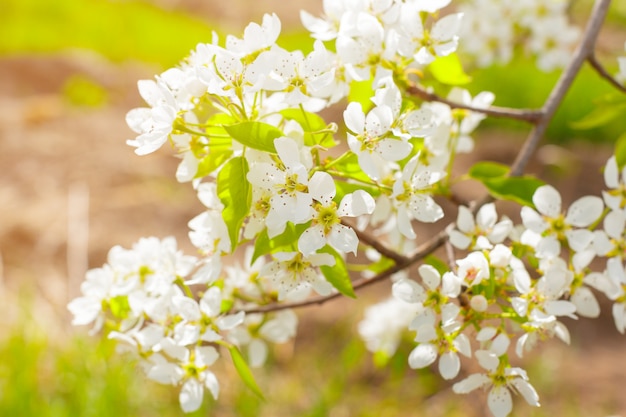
{"x":376,"y":244}
{"x":420,"y":253}
{"x":593,"y":61}
{"x":526,"y":115}
{"x":582,"y":53}
{"x":540,"y":119}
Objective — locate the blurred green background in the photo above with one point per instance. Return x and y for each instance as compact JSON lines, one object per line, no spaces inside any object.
{"x":68,"y":70}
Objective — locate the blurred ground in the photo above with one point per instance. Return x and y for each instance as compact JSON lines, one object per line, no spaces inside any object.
{"x":70,"y":189}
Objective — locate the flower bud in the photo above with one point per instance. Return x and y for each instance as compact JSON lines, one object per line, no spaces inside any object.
{"x":479,"y":303}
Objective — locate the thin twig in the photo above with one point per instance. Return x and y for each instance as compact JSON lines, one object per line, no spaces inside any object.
{"x":593,"y":61}
{"x":526,"y":115}
{"x":376,"y":244}
{"x":582,"y":53}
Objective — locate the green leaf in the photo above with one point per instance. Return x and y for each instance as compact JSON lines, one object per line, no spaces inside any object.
{"x":286,"y":241}
{"x":244,"y":371}
{"x":620,"y":151}
{"x":449,"y":70}
{"x":256,"y":135}
{"x":518,"y":189}
{"x":213,"y":161}
{"x":600,"y":115}
{"x":362,"y":92}
{"x":437,"y":263}
{"x":312,"y":124}
{"x":486,"y":169}
{"x":337,"y":274}
{"x":234,"y":191}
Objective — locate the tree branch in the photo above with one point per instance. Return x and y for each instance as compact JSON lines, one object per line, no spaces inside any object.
{"x":530,"y":116}
{"x":583,"y":52}
{"x":593,"y":61}
{"x":376,"y":244}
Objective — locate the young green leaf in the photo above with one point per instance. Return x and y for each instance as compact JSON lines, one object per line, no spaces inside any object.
{"x":518,"y":189}
{"x":244,"y":371}
{"x":234,"y":191}
{"x":601,"y":115}
{"x":337,"y":274}
{"x":486,"y":169}
{"x":449,"y":70}
{"x":620,"y":151}
{"x":286,"y":241}
{"x":256,"y":135}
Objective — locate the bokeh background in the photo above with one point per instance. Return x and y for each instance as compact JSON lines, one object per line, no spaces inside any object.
{"x":70,"y":189}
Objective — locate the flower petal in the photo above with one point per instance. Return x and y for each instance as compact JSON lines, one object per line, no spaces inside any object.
{"x":422,"y":356}
{"x":500,"y":401}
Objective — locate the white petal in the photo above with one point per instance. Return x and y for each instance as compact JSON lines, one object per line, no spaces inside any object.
{"x":447,"y":27}
{"x":619,"y":316}
{"x":422,"y":356}
{"x":462,"y":344}
{"x":356,"y":204}
{"x":614,"y":224}
{"x":526,"y":390}
{"x":354,"y":118}
{"x":584,"y":211}
{"x":586,"y":303}
{"x":500,"y":401}
{"x":500,"y":344}
{"x":408,"y":291}
{"x":560,"y":308}
{"x":487,"y":216}
{"x":210,"y":381}
{"x":322,"y":187}
{"x":533,"y":220}
{"x":459,"y":240}
{"x":611,"y":173}
{"x":470,"y":383}
{"x":465,"y":220}
{"x":206,"y":355}
{"x":343,"y":238}
{"x":190,"y":396}
{"x":547,"y":200}
{"x":449,"y":365}
{"x":231,"y":321}
{"x":487,"y":359}
{"x":257,"y":353}
{"x":393,"y":149}
{"x":430,"y":276}
{"x":311,"y":240}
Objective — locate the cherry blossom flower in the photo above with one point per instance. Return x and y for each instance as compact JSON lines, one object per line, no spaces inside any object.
{"x":554,"y":227}
{"x":384,"y":323}
{"x":258,"y":329}
{"x":326,"y":226}
{"x":295,"y":274}
{"x":481,"y":233}
{"x":502,"y":380}
{"x":411,"y":196}
{"x":190,"y":370}
{"x":370,"y":139}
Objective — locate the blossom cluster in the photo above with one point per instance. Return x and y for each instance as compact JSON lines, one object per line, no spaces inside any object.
{"x":492,"y":30}
{"x":290,"y":200}
{"x":510,"y":285}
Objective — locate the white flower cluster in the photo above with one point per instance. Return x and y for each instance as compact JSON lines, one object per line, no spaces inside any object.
{"x":243,"y":117}
{"x":492,"y":29}
{"x":492,"y":288}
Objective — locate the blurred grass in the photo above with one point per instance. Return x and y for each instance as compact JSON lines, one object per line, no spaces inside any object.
{"x":118,"y":30}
